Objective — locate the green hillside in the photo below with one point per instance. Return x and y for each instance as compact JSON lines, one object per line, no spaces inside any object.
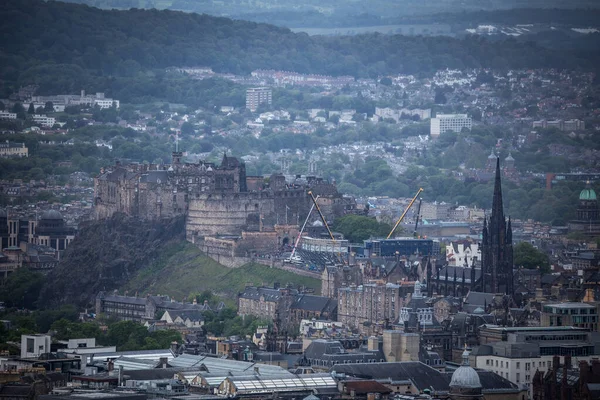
{"x":65,"y":47}
{"x":124,"y":253}
{"x":183,"y":270}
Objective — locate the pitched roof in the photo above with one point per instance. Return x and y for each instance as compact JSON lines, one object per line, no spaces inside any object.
{"x":364,"y":387}
{"x":314,"y":303}
{"x":423,"y":376}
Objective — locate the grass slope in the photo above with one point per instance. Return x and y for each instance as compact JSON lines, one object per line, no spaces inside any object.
{"x":182,"y":270}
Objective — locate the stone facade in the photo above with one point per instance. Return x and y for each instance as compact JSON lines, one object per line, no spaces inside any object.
{"x":370,"y":307}
{"x":218,"y":202}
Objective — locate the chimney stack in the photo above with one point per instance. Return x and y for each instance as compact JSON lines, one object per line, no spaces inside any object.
{"x":568,"y":361}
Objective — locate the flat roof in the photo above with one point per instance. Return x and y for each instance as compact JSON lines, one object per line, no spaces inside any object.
{"x":570,"y":305}
{"x":535,"y":328}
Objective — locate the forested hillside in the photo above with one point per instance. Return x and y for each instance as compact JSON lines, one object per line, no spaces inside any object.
{"x":65,"y":46}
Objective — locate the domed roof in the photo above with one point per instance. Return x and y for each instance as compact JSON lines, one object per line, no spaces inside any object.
{"x":588,"y":193}
{"x":465,"y":376}
{"x":509,"y":158}
{"x":492,"y":155}
{"x":51,"y":214}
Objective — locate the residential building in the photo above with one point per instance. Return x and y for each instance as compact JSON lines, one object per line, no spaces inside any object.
{"x":33,"y":346}
{"x":43,"y":120}
{"x":284,"y":306}
{"x":580,"y":315}
{"x":568,"y":382}
{"x":7,"y":115}
{"x":449,"y":122}
{"x":140,"y":309}
{"x":13,"y":149}
{"x":257,"y":96}
{"x":369,"y":307}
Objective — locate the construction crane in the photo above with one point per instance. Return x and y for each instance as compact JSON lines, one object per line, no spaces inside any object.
{"x":415,"y":234}
{"x":321,"y":215}
{"x":404,"y":213}
{"x":292,"y":259}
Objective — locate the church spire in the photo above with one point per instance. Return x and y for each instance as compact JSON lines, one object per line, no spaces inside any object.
{"x":497,"y":209}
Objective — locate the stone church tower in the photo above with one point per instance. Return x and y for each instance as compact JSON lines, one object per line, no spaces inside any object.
{"x":497,"y":249}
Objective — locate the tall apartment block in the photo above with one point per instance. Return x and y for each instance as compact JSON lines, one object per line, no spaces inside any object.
{"x":449,"y":122}
{"x":257,"y":96}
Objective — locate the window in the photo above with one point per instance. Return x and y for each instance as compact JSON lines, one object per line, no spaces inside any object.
{"x":518,"y":377}
{"x":518,"y":366}
{"x":496,"y":363}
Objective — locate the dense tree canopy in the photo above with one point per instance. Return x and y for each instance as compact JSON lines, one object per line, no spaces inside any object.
{"x":357,"y":228}
{"x":64,"y":47}
{"x":527,"y":256}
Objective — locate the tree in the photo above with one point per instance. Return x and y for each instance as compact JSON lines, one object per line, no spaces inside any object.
{"x":19,"y":110}
{"x":187,"y":129}
{"x":49,"y":107}
{"x":22,"y":288}
{"x":387,"y":81}
{"x":527,"y":256}
{"x":31,"y":109}
{"x":357,"y":228}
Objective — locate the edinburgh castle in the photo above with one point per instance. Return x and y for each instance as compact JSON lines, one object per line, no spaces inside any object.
{"x":227,"y":213}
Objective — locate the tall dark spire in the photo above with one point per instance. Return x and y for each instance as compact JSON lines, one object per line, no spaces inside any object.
{"x":497,"y":209}
{"x":497,"y":253}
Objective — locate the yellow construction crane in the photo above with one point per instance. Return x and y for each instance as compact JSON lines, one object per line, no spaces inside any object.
{"x":404,"y":213}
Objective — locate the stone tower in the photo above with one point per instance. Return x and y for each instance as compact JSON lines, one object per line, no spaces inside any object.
{"x":497,"y":249}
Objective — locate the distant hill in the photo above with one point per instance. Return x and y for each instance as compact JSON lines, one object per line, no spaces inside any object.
{"x":124,"y":253}
{"x":64,"y":45}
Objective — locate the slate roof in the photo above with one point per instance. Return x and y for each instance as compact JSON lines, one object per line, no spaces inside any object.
{"x":151,"y":374}
{"x":270,"y":294}
{"x":314,"y":303}
{"x":479,"y":298}
{"x":192,"y":315}
{"x":155,"y":177}
{"x":332,"y":351}
{"x":423,"y":376}
{"x":364,"y":387}
{"x":548,"y":279}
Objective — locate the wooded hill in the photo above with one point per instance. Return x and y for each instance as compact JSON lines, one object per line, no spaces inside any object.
{"x":65,"y":46}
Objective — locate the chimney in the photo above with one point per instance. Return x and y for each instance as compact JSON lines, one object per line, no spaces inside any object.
{"x":584,"y":370}
{"x":568,"y":361}
{"x":111,"y":365}
{"x":596,"y":367}
{"x":555,"y":363}
{"x":163,"y":362}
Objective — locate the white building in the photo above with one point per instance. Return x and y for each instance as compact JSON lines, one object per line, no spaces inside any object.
{"x":449,"y":122}
{"x":33,"y":346}
{"x":529,"y":349}
{"x":43,"y":120}
{"x":457,"y":254}
{"x":7,"y":115}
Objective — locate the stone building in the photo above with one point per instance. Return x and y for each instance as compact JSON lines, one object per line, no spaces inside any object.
{"x":588,"y":213}
{"x":286,"y":307}
{"x":47,"y":229}
{"x":568,"y":382}
{"x":225,"y":216}
{"x":369,"y":307}
{"x":140,"y":309}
